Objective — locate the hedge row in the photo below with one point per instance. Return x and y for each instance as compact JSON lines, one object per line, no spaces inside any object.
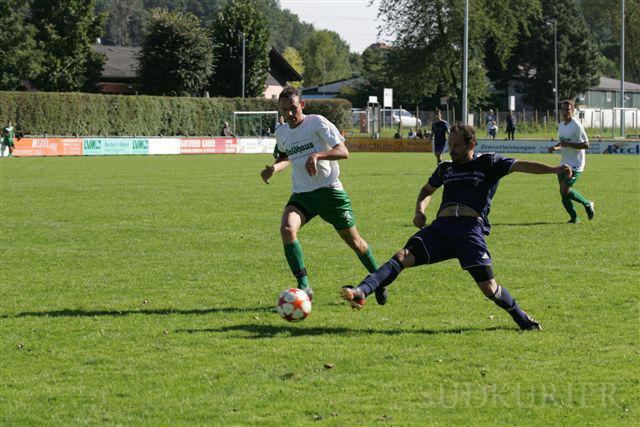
{"x":37,"y":113}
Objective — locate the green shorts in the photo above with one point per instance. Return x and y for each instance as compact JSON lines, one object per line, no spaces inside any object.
{"x":331,"y":204}
{"x":570,"y":181}
{"x":8,"y":143}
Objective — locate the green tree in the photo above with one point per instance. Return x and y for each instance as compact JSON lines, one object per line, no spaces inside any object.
{"x":236,"y":18}
{"x":632,"y":41}
{"x":374,"y":73}
{"x":293,"y":57}
{"x":176,"y":56}
{"x":17,"y":45}
{"x":124,"y":24}
{"x":577,"y":55}
{"x":65,"y":33}
{"x":426,"y":59}
{"x":326,"y":58}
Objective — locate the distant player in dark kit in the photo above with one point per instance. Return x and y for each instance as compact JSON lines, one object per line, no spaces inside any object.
{"x":439,"y":130}
{"x":458,"y":231}
{"x":312,"y":145}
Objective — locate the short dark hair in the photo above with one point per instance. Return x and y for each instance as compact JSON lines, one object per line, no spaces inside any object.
{"x":289,"y":92}
{"x":569,"y":102}
{"x":468,"y":133}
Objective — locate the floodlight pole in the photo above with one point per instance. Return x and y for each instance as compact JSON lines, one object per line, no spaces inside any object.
{"x":622,"y":116}
{"x":243,"y":61}
{"x":465,"y":64}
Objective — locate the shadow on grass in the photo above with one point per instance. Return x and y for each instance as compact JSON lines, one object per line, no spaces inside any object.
{"x":268,"y":331}
{"x":527,"y":224}
{"x":116,"y":313}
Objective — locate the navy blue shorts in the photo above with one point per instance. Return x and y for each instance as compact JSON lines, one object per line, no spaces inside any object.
{"x":439,"y":146}
{"x":451,"y":237}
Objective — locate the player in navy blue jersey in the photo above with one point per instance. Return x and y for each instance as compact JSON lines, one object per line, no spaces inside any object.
{"x":470,"y":182}
{"x":439,"y":130}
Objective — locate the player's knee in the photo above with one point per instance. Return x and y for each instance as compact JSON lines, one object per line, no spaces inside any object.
{"x":488,"y":288}
{"x":287,"y":231}
{"x":402,"y":255}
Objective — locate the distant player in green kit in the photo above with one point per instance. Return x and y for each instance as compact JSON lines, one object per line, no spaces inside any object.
{"x":573,"y":142}
{"x":313,"y":145}
{"x":7,"y":140}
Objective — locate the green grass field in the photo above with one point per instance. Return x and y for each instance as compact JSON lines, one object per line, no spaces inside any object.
{"x":141,"y":290}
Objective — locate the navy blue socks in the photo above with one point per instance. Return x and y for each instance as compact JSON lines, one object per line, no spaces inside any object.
{"x":503,"y":299}
{"x":381,"y":277}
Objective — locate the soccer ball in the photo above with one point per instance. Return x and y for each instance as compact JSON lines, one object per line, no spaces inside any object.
{"x":294,"y":305}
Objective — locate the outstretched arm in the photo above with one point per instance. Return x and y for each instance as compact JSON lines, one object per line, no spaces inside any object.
{"x":540,"y":168}
{"x":338,"y":152}
{"x":420,"y":219}
{"x":554,"y":148}
{"x":281,"y":163}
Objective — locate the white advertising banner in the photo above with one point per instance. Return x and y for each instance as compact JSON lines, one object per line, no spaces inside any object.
{"x":256,"y":145}
{"x":164,"y":146}
{"x":539,"y":147}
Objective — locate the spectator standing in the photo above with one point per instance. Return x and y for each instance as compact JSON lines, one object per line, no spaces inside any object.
{"x":280,"y":123}
{"x":492,"y":129}
{"x":511,"y":125}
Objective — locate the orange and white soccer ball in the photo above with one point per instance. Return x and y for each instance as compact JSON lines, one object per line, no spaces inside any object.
{"x":294,"y":305}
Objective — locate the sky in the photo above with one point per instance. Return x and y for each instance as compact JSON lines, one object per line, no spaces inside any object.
{"x":354,"y":20}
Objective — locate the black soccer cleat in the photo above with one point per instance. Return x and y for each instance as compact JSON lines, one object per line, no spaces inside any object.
{"x":354,"y":296}
{"x":531,"y":325}
{"x":591,"y":210}
{"x":382,"y":295}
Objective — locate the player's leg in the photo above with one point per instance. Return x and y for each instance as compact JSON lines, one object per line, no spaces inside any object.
{"x":575,"y":195}
{"x":474,"y":257}
{"x":293,"y":218}
{"x":483,"y":275}
{"x":438,"y":149}
{"x":566,"y":200}
{"x":427,"y":246}
{"x":353,"y":239}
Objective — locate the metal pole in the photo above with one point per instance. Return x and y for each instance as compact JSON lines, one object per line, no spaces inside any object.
{"x":243,"y":62}
{"x":324,"y":78}
{"x":555,"y":60}
{"x":622,"y":116}
{"x":465,"y":61}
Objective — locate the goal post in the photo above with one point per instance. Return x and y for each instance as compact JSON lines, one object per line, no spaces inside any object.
{"x":254,"y":123}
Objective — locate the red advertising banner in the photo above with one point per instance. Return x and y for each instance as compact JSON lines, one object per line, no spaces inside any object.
{"x":208,"y":145}
{"x":26,"y":147}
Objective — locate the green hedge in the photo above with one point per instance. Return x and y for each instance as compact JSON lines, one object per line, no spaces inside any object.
{"x":36,"y":113}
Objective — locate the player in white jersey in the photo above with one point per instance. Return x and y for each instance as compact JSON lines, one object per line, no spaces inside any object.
{"x":573,"y":141}
{"x":312,"y":145}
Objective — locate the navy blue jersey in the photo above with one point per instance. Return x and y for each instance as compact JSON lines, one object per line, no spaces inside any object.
{"x":473,"y":183}
{"x":439,"y":130}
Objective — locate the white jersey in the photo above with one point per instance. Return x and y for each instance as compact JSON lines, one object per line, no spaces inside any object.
{"x":573,"y":132}
{"x":313,"y":135}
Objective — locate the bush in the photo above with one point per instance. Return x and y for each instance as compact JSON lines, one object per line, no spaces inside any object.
{"x":36,"y":113}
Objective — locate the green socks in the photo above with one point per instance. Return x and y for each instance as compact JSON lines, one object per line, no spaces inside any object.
{"x":368,"y":261}
{"x":293,"y":253}
{"x":568,"y":204}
